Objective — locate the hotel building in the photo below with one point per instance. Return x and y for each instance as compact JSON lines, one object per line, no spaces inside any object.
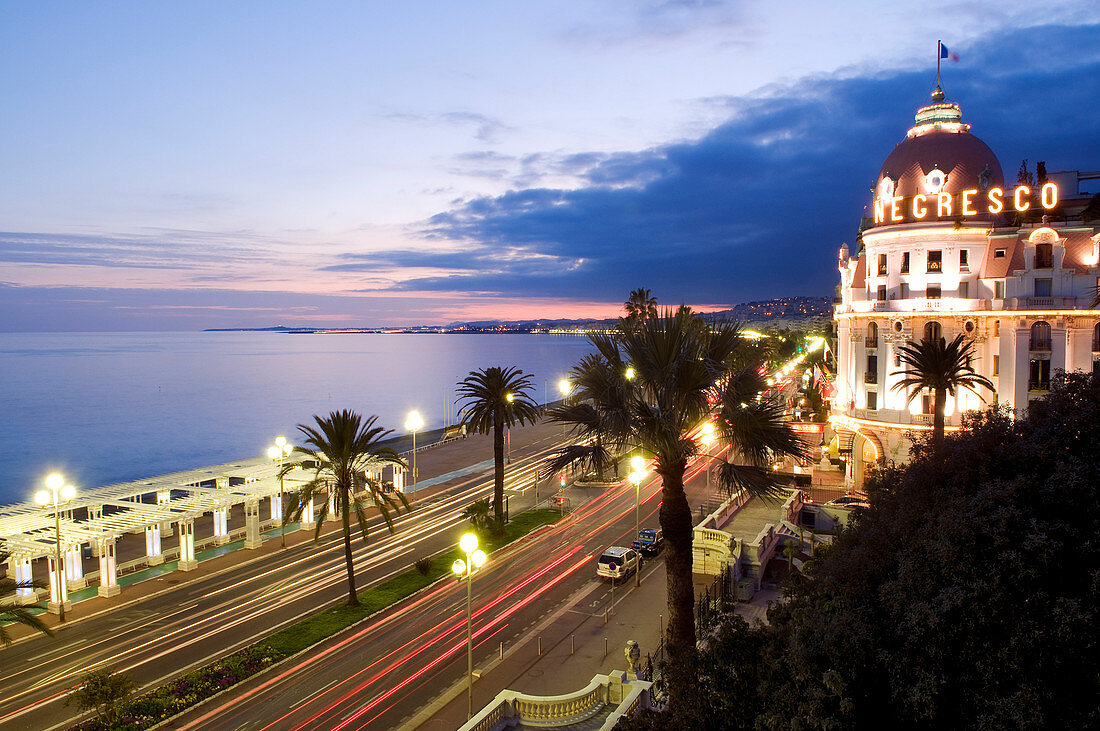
{"x":954,"y":248}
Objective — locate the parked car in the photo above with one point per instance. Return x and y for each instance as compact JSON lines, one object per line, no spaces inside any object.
{"x":618,"y":563}
{"x":848,"y":501}
{"x":650,"y":542}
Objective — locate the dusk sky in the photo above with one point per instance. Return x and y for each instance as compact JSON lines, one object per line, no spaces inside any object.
{"x":178,"y":166}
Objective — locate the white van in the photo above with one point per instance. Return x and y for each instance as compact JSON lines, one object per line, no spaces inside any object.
{"x":617,"y":563}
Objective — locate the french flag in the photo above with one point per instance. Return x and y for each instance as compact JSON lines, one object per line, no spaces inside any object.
{"x":944,"y":53}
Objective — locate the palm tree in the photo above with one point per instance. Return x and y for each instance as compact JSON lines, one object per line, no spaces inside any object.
{"x":641,"y":304}
{"x":494,"y":398}
{"x":343,"y":451}
{"x":15,"y":614}
{"x":594,"y":413}
{"x":943,"y":367}
{"x":678,"y":370}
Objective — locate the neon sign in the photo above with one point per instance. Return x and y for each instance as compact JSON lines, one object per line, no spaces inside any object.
{"x":895,"y":209}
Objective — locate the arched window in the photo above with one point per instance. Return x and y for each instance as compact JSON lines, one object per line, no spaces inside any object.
{"x":932,"y":331}
{"x":1040,"y":336}
{"x":1043,"y":256}
{"x":1096,"y":338}
{"x":872,"y":335}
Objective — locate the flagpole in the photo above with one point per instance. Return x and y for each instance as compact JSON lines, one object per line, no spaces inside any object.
{"x":939,"y":52}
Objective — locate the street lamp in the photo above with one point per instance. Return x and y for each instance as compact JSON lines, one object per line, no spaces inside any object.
{"x":413,"y":423}
{"x":508,"y":433}
{"x":708,"y":439}
{"x":281,"y":451}
{"x":630,"y":373}
{"x":59,"y":494}
{"x":637,"y":473}
{"x":475,"y":559}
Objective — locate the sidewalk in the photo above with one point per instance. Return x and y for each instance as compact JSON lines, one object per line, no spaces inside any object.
{"x":573,"y":641}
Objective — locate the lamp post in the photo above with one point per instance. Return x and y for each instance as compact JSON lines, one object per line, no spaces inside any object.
{"x":708,"y":439}
{"x":566,"y":388}
{"x":637,"y":472}
{"x":59,"y":494}
{"x":413,"y":423}
{"x":281,"y":451}
{"x":508,"y":433}
{"x":475,"y":559}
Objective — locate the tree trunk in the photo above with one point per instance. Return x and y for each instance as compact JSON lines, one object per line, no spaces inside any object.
{"x":498,"y":472}
{"x":677,"y":527}
{"x":353,"y":597}
{"x":938,"y":418}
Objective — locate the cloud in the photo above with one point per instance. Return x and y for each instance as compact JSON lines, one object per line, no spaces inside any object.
{"x":758,"y":206}
{"x":486,"y":129}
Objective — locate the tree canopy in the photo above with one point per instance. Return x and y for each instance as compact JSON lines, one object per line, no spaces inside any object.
{"x":965,"y":597}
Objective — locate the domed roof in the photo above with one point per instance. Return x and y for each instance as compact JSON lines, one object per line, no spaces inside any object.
{"x":938,"y":155}
{"x":1043,"y":235}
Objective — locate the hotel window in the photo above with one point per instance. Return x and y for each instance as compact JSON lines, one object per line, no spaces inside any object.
{"x":927,"y":403}
{"x":881,"y":293}
{"x":964,"y":260}
{"x":872,"y":401}
{"x":905,"y":263}
{"x":1096,"y":338}
{"x":1096,"y":369}
{"x":1043,"y":287}
{"x":1043,"y":257}
{"x":871,"y":341}
{"x":998,"y":253}
{"x":932,"y":331}
{"x":935,"y":261}
{"x":933,"y":292}
{"x":998,"y":289}
{"x":1040,"y":336}
{"x":882,"y":265}
{"x":904,"y":291}
{"x":1039,"y":375}
{"x":996,"y":328}
{"x":897,"y":360}
{"x":964,"y":290}
{"x":996,"y":365}
{"x":871,"y":376}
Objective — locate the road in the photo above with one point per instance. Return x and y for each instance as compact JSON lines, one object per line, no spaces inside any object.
{"x":384,"y":671}
{"x":199,"y":620}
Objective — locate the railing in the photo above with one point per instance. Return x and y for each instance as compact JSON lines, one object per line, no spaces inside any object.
{"x":716,"y":600}
{"x":881,"y":306}
{"x":510,"y":708}
{"x":870,"y":342}
{"x":1042,"y":344}
{"x":870,"y":377}
{"x":1038,"y":385}
{"x":563,"y":707}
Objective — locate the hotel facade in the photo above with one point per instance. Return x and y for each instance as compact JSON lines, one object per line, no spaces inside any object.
{"x":953,"y":248}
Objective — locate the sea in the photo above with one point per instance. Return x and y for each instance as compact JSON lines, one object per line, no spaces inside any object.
{"x":103,"y":408}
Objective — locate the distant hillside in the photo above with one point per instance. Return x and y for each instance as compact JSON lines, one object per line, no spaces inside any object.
{"x":779,"y":312}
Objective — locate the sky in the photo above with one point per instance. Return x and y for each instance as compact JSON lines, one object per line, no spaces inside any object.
{"x":179,"y":166}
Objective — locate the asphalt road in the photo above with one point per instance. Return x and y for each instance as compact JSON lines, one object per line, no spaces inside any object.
{"x":201,"y":619}
{"x":384,"y":671}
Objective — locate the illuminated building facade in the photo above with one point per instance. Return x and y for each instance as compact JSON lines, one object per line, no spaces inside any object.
{"x":951,"y":248}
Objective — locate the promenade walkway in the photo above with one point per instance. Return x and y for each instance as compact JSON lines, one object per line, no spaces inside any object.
{"x":441,"y":467}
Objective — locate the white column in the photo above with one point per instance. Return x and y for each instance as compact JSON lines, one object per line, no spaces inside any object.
{"x":74,"y":568}
{"x":221,"y":526}
{"x":152,"y":545}
{"x":108,"y":571}
{"x":59,"y":592}
{"x":163,"y":498}
{"x":398,"y":479}
{"x":252,"y":537}
{"x":307,"y":516}
{"x":95,"y":512}
{"x":276,"y":509}
{"x":187,"y":560}
{"x":20,"y":569}
{"x":333,"y":515}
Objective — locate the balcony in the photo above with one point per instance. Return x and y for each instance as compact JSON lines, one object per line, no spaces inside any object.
{"x":873,"y":343}
{"x":1041,"y":345}
{"x":1038,"y":385}
{"x":870,"y":377}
